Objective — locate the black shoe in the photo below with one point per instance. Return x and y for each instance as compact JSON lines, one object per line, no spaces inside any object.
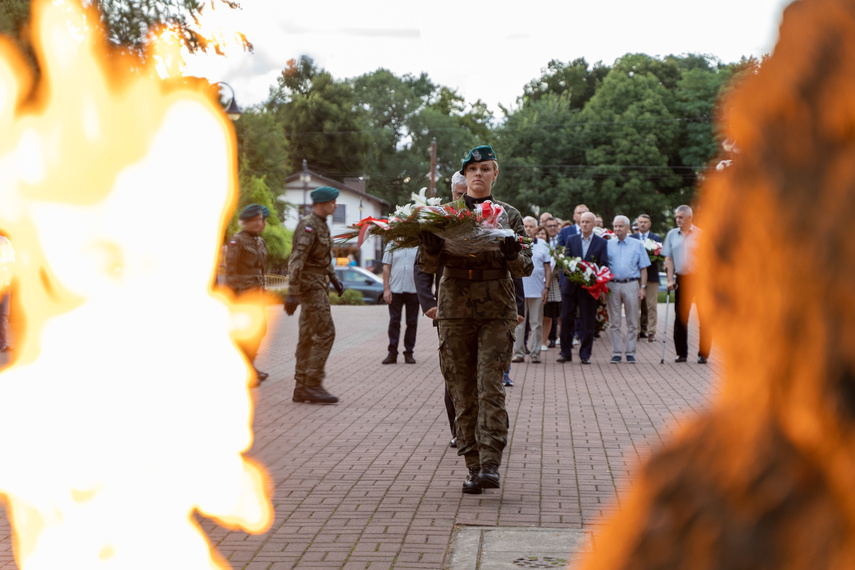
{"x":453,"y":442}
{"x":642,"y":335}
{"x":488,"y":477}
{"x":586,"y":361}
{"x":408,"y":358}
{"x":298,"y":395}
{"x":317,"y":395}
{"x":470,"y":485}
{"x":680,"y":359}
{"x":702,"y":360}
{"x":391,"y":358}
{"x":563,"y":358}
{"x":516,"y":359}
{"x":630,"y":358}
{"x":262,"y":376}
{"x":551,"y":344}
{"x":615,"y":360}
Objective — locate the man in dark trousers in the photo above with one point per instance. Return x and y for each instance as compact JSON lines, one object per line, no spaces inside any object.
{"x":310,"y":273}
{"x":647,"y":323}
{"x":588,"y":247}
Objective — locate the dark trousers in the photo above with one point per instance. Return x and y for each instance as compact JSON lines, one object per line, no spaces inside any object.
{"x":587,"y":306}
{"x":683,"y":296}
{"x":396,"y":307}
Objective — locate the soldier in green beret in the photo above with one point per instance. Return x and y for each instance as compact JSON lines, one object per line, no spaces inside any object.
{"x":477,"y":315}
{"x":310,"y":273}
{"x":246,"y":257}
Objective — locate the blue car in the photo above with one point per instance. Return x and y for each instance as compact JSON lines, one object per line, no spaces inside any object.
{"x":362,"y":280}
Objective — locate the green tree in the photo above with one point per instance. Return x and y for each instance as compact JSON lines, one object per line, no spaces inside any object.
{"x":576,"y":81}
{"x":540,"y":150}
{"x":263,"y":150}
{"x":320,"y":121}
{"x":128,"y":25}
{"x":629,"y":133}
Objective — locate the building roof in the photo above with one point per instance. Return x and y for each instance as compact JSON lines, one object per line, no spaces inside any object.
{"x":336,"y":184}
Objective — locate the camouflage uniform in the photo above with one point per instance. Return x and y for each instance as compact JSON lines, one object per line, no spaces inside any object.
{"x":246,"y":257}
{"x":477,"y":318}
{"x":310,"y":271}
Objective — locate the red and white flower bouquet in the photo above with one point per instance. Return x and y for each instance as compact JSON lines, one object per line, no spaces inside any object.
{"x":586,"y":274}
{"x":654,"y":250}
{"x":465,"y":231}
{"x":604,"y":233}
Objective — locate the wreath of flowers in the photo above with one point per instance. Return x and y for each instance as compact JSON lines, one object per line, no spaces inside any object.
{"x":463,"y":230}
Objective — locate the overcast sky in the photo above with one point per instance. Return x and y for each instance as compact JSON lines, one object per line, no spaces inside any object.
{"x":484,"y":53}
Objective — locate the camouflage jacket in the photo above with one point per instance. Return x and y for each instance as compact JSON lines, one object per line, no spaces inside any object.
{"x":310,"y":264}
{"x":245,"y":262}
{"x":492,"y":299}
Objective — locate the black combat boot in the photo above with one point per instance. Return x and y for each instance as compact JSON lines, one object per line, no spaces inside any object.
{"x":488,"y":477}
{"x":391,"y":358}
{"x":298,"y":395}
{"x":317,"y":395}
{"x":470,"y":485}
{"x":408,"y":358}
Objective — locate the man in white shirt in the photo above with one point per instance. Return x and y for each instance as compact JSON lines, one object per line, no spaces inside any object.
{"x":399,"y":291}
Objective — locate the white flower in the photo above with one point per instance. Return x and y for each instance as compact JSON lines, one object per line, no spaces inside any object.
{"x":404,"y":212}
{"x":420,"y":199}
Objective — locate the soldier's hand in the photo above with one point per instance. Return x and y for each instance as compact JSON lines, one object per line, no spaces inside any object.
{"x":431,"y":242}
{"x":291,"y":302}
{"x":510,"y":247}
{"x":338,"y":286}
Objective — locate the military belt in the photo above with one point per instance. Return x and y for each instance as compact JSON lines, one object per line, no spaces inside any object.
{"x":475,"y":274}
{"x":315,"y":270}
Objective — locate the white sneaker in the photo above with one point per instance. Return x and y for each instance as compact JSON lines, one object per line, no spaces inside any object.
{"x":543,"y":347}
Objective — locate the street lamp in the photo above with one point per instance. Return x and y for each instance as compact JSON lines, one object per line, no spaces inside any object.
{"x":305,"y":178}
{"x":233,"y":112}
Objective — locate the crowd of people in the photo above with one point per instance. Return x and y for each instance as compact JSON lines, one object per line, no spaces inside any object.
{"x":490,"y":308}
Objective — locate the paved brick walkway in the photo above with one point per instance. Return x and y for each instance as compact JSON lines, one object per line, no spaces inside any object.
{"x":371,"y":482}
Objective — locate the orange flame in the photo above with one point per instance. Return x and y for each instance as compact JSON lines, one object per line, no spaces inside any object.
{"x":129,"y":402}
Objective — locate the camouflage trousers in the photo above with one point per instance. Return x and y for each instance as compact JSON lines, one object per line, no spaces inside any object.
{"x":474,"y":354}
{"x":317,"y":334}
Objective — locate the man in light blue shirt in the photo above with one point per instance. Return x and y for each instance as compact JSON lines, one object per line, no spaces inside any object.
{"x":627,"y":261}
{"x":399,"y":291}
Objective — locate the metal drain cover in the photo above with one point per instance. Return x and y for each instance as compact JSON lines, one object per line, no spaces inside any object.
{"x":540,"y":562}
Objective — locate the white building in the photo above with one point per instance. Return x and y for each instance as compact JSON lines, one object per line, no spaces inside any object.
{"x":353,"y":204}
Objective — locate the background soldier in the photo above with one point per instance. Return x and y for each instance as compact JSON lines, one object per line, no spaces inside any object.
{"x":310,"y":273}
{"x":246,"y":257}
{"x":477,"y":315}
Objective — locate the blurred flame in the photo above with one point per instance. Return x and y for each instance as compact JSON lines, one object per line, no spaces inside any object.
{"x":127,"y":408}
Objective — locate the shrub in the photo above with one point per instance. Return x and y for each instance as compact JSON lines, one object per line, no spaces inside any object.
{"x":350,"y":297}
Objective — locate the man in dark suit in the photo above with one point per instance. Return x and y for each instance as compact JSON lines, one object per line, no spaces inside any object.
{"x":565,"y":233}
{"x":588,"y":247}
{"x":647,"y":324}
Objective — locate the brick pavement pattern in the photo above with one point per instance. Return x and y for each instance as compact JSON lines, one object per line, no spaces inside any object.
{"x":371,"y":482}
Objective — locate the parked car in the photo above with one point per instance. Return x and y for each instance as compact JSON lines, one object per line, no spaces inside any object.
{"x":362,"y":280}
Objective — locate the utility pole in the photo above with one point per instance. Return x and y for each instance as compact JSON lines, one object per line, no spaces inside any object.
{"x":433,"y":168}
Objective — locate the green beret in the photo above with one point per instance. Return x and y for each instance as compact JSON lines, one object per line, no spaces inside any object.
{"x":478,"y":154}
{"x":324,"y":194}
{"x":253,"y":210}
